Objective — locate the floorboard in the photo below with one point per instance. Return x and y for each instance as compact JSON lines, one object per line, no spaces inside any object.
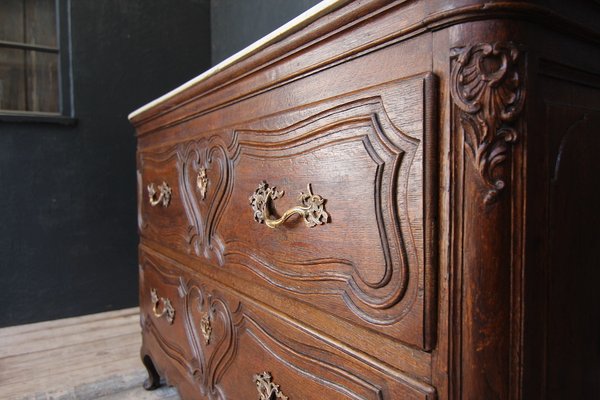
{"x":89,"y":357}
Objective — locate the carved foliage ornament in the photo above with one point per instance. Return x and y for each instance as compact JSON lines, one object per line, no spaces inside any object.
{"x":488,"y":86}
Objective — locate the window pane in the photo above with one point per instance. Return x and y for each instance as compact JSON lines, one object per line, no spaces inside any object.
{"x":29,"y":78}
{"x":11,"y":20}
{"x":42,"y":82}
{"x":12,"y":79}
{"x":40,"y":22}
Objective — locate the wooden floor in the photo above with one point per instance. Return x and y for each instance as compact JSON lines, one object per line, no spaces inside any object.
{"x":90,"y":357}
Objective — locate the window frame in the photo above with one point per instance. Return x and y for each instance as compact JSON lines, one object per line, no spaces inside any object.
{"x":65,"y":114}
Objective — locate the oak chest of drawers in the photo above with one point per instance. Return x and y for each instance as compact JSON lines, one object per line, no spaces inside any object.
{"x":383,"y":200}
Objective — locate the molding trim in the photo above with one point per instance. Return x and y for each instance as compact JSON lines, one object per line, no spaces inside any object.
{"x":216,"y":79}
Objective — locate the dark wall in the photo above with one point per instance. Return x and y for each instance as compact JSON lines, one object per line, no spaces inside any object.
{"x":68,"y":239}
{"x":237,"y":23}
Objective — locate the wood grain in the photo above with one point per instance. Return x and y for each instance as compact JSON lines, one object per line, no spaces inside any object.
{"x":246,"y":339}
{"x":458,"y":185}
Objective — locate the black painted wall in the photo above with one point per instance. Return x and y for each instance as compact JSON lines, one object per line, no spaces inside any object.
{"x":237,"y":23}
{"x":68,"y":233}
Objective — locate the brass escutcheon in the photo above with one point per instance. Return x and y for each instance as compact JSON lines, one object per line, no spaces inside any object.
{"x":206,"y":328}
{"x":266,"y":388}
{"x":202,"y":182}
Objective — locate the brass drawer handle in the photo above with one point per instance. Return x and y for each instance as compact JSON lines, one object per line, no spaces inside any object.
{"x":167,"y":310}
{"x":266,"y":388}
{"x":311,"y":208}
{"x":164,"y":196}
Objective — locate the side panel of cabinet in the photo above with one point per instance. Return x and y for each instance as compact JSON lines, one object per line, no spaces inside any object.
{"x":564,"y":325}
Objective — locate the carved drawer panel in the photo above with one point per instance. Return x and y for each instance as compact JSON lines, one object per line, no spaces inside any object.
{"x":353,"y":174}
{"x":240,"y":350}
{"x":162,"y":311}
{"x":326,"y":204}
{"x":161,"y":214}
{"x":196,"y":173}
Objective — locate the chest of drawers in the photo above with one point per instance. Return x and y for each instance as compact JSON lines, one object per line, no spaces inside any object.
{"x":379,"y":201}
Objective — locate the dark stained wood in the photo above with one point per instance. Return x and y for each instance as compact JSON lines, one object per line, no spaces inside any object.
{"x":247,"y":338}
{"x":458,"y":256}
{"x":573,"y":260}
{"x":370,"y":133}
{"x":486,"y":117}
{"x":563,"y":330}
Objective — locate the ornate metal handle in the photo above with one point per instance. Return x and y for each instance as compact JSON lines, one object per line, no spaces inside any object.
{"x":164,"y":196}
{"x":167,"y":310}
{"x":266,"y":388}
{"x":206,"y":328}
{"x":312,"y":208}
{"x":202,"y":182}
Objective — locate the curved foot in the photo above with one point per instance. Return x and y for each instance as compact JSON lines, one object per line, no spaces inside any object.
{"x":153,"y":380}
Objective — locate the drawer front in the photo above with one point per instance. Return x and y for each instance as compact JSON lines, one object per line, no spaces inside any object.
{"x":162,"y":311}
{"x":240,"y":350}
{"x":196,"y":174}
{"x":358,"y":176}
{"x":161,"y":212}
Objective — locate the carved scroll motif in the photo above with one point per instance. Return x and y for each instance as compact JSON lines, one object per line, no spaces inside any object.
{"x":487,"y":84}
{"x":203,"y":196}
{"x":212,"y":330}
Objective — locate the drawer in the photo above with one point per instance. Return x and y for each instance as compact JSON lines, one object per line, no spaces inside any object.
{"x":180,"y":189}
{"x":239,"y":349}
{"x":162,"y":313}
{"x":356,"y":175}
{"x":161,"y":212}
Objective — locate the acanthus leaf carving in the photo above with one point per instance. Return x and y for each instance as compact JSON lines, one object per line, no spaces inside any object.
{"x":487,"y":84}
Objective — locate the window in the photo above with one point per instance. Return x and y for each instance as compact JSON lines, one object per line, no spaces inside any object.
{"x":32,"y":64}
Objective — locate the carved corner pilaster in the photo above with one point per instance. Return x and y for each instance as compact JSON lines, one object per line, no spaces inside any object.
{"x":487,"y":84}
